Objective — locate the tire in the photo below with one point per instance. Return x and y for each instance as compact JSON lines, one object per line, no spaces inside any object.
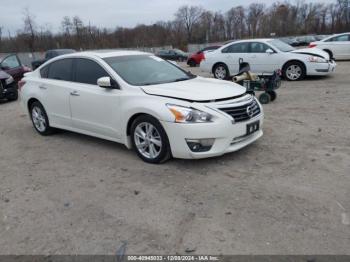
{"x":294,"y":71}
{"x":220,"y":71}
{"x":40,"y":120}
{"x":192,"y":63}
{"x":13,"y":96}
{"x":264,"y":98}
{"x":273,"y":95}
{"x":149,"y":152}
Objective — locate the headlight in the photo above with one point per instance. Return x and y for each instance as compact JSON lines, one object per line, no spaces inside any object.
{"x":316,"y":59}
{"x":189,"y":115}
{"x":9,"y":80}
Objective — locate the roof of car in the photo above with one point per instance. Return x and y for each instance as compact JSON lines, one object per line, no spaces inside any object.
{"x":106,"y":53}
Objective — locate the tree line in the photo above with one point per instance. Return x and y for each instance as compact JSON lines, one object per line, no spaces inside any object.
{"x":191,"y":24}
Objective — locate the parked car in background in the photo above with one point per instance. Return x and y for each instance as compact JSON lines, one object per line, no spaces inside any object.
{"x":8,"y":87}
{"x":305,"y":40}
{"x":196,"y":58}
{"x":337,"y":46}
{"x":142,"y":101}
{"x":320,"y":37}
{"x":290,"y":40}
{"x":51,"y":54}
{"x":265,"y":56}
{"x":173,"y":54}
{"x":11,"y":64}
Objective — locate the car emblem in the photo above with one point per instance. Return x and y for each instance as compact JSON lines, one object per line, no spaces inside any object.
{"x":250,"y":111}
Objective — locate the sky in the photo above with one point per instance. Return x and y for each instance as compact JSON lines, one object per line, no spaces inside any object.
{"x":106,"y":13}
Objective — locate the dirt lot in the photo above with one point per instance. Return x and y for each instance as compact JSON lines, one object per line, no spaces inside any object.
{"x":289,"y":193}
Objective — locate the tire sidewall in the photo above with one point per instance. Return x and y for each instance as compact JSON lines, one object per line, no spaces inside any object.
{"x":226,"y":69}
{"x":165,"y":151}
{"x":48,"y":129}
{"x":303,"y":71}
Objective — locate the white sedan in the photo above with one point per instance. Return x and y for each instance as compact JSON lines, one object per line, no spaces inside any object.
{"x":142,"y":101}
{"x":265,"y":56}
{"x":337,"y":46}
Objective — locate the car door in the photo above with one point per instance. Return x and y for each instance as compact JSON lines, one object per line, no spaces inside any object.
{"x":232,"y":54}
{"x":339,"y":45}
{"x":55,"y":87}
{"x":12,"y":66}
{"x":95,"y":110}
{"x":260,"y":61}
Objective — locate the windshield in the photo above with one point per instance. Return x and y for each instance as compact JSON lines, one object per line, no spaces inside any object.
{"x":280,"y":45}
{"x":179,"y":51}
{"x":142,"y":70}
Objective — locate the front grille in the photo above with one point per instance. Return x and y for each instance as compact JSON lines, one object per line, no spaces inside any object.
{"x":240,"y":113}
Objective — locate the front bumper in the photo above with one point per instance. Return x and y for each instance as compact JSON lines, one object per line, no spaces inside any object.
{"x":321,"y":68}
{"x":7,"y":90}
{"x":228,"y":137}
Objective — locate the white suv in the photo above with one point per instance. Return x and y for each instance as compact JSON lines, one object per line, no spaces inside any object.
{"x":142,"y":101}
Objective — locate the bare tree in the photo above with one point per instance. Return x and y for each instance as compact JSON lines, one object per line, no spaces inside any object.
{"x":189,"y":16}
{"x":29,"y":28}
{"x":255,"y":13}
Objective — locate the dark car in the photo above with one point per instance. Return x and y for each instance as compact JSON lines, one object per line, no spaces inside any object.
{"x":51,"y":54}
{"x":305,"y":40}
{"x":173,"y":54}
{"x":290,"y":41}
{"x":13,"y":66}
{"x":8,"y":87}
{"x":196,"y":58}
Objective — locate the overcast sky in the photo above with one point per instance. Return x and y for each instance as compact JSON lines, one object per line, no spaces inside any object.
{"x":107,"y":13}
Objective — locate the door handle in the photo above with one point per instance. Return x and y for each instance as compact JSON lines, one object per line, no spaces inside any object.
{"x":42,"y":87}
{"x":74,"y":93}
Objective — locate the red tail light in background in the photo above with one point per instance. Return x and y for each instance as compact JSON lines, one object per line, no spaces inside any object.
{"x":21,"y":83}
{"x":312,"y":45}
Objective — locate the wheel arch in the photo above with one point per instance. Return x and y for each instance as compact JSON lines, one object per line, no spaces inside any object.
{"x":329,"y":52}
{"x":219,"y":63}
{"x":31,"y":101}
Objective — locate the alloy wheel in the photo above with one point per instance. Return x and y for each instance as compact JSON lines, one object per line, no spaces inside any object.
{"x":39,"y":119}
{"x":294,"y":72}
{"x":220,"y":72}
{"x":148,"y":140}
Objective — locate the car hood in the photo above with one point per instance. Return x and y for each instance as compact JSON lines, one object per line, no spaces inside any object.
{"x":197,"y":89}
{"x":4,"y":75}
{"x":312,"y":51}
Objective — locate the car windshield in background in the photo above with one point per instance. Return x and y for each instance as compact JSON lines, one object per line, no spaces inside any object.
{"x":280,"y":45}
{"x":142,"y":70}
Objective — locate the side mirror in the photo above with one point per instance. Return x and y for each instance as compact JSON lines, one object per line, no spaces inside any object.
{"x":270,"y":51}
{"x":107,"y":82}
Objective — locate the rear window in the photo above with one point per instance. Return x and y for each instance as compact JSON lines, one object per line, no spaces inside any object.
{"x":44,"y":72}
{"x":61,"y":70}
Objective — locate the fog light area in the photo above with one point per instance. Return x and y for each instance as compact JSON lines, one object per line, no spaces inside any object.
{"x":200,"y":145}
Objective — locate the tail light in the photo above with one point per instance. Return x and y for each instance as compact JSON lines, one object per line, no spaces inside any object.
{"x":21,"y":83}
{"x":312,"y":45}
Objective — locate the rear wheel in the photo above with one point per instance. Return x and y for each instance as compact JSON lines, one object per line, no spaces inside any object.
{"x":220,"y":71}
{"x":40,"y":119}
{"x":294,"y":71}
{"x":192,"y":63}
{"x":150,"y":140}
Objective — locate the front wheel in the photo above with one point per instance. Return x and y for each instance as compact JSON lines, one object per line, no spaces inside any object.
{"x":13,"y":96}
{"x":294,"y":71}
{"x":221,"y":72}
{"x":150,"y":140}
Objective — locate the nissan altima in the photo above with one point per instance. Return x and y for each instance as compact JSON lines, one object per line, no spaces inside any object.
{"x":142,"y":101}
{"x":265,"y":56}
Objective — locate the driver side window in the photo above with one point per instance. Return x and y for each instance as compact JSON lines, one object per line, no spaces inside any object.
{"x":258,"y":47}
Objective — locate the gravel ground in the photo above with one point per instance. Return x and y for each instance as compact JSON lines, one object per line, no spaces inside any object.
{"x":288,"y":193}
